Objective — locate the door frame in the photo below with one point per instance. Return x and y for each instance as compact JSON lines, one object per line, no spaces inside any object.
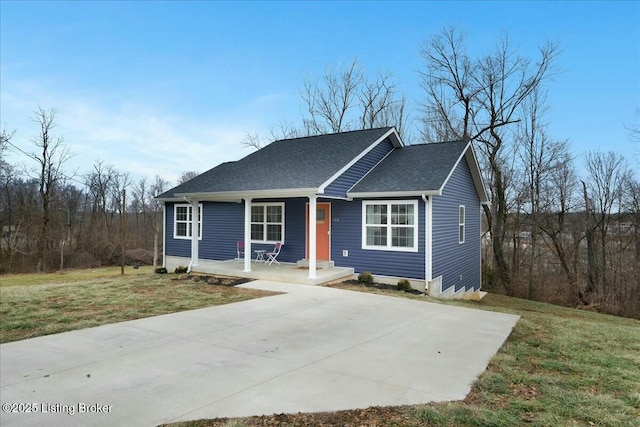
{"x":306,"y":233}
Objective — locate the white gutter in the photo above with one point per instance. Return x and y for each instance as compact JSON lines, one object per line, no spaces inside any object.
{"x":254,"y":194}
{"x":394,"y":194}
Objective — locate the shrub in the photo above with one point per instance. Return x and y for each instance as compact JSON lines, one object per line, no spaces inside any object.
{"x":180,"y":269}
{"x":365,"y":277}
{"x":404,"y":285}
{"x":161,"y":270}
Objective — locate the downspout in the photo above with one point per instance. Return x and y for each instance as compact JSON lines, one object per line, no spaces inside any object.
{"x":428,"y":255}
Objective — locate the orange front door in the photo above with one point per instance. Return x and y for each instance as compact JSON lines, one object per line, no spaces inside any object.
{"x":323,"y":228}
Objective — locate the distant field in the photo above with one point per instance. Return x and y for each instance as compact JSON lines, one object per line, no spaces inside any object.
{"x":40,"y":304}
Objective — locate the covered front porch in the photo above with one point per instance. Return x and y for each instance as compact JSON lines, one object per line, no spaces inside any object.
{"x":284,"y":272}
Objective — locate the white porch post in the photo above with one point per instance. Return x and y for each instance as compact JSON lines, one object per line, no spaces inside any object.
{"x":427,"y":239}
{"x":312,"y":237}
{"x":195,"y":227}
{"x":164,"y":235}
{"x":247,"y":235}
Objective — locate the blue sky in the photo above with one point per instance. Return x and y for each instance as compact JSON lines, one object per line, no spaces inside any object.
{"x":165,"y":87}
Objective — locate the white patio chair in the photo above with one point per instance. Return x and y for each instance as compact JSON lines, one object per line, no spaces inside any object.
{"x":271,"y":256}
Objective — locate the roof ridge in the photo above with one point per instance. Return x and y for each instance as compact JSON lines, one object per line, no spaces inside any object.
{"x":334,"y":133}
{"x":438,"y":143}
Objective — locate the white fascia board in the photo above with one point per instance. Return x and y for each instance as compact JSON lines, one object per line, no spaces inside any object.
{"x":395,"y":140}
{"x":254,"y":194}
{"x":394,"y":194}
{"x":476,"y":174}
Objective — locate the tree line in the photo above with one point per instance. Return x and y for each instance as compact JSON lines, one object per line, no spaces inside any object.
{"x":51,"y":219}
{"x":551,"y":233}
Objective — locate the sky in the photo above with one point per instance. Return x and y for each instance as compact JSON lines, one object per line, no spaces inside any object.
{"x":159,"y":88}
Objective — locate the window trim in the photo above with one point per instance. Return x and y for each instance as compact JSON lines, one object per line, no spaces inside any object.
{"x":265,"y":204}
{"x":189,"y":223}
{"x":462,"y":228}
{"x":389,"y":226}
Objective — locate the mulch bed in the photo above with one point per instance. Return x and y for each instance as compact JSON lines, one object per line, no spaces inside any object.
{"x":376,"y":286}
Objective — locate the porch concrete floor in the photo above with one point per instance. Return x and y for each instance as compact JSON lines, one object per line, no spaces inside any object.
{"x":283,"y":272}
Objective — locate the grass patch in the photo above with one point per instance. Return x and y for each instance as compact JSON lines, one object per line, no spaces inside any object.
{"x":31,"y":305}
{"x":559,"y":367}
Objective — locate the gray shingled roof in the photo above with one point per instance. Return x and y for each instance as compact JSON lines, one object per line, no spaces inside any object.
{"x":285,"y":164}
{"x":422,"y":167}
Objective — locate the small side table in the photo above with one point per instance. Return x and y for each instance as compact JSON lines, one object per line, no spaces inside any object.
{"x":260,"y":255}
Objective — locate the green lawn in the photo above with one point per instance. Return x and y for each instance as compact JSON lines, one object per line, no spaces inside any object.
{"x":40,"y":304}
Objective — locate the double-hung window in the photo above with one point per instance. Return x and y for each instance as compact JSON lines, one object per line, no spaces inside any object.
{"x":390,"y":225}
{"x":183,"y":221}
{"x":267,"y":222}
{"x":461,"y":223}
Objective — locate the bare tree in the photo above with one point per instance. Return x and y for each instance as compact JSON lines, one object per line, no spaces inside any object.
{"x":283,"y":130}
{"x":327,"y":103}
{"x":449,"y":86}
{"x":632,"y":207}
{"x":634,"y":131}
{"x":557,"y":200}
{"x":607,"y":174}
{"x":5,"y":139}
{"x":52,"y":154}
{"x":478,"y":99}
{"x":68,"y":203}
{"x":542,"y":160}
{"x":342,"y":99}
{"x":348,"y":100}
{"x":186,"y":176}
{"x":159,"y":186}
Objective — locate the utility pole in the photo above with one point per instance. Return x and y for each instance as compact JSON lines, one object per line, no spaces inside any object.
{"x":122,"y":228}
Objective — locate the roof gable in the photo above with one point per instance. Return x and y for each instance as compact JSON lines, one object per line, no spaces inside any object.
{"x":419,"y":169}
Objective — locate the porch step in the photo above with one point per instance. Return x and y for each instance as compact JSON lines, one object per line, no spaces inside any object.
{"x":319,"y":264}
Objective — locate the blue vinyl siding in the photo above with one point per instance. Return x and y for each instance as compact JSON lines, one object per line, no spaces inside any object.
{"x":223,"y":226}
{"x":174,"y":247}
{"x":457,"y":263}
{"x":351,"y":176}
{"x":294,"y":230}
{"x":346,"y":234}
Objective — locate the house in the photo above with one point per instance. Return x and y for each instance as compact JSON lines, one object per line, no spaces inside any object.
{"x":395,"y":210}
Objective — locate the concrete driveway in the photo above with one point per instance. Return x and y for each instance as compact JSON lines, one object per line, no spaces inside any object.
{"x":310,"y":349}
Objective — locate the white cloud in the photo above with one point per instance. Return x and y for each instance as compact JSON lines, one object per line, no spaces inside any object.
{"x":135,"y":138}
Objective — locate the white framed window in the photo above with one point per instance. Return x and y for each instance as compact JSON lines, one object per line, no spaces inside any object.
{"x":390,"y":225}
{"x":267,"y":222}
{"x":183,"y":220}
{"x":461,"y":223}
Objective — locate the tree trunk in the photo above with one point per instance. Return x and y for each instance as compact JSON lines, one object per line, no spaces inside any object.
{"x":592,"y":270}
